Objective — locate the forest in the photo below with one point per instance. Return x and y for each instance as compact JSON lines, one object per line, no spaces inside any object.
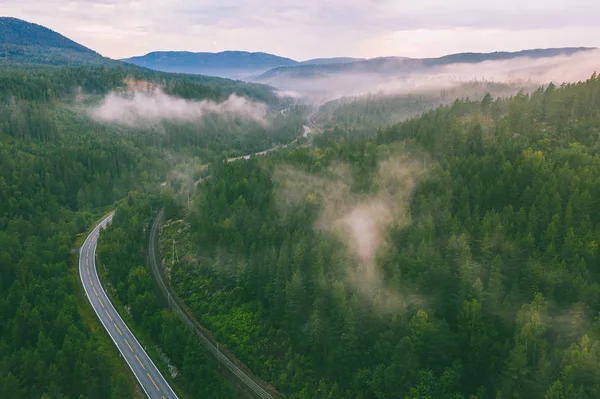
{"x":366,"y":114}
{"x":53,"y":184}
{"x":60,"y":170}
{"x":453,"y":255}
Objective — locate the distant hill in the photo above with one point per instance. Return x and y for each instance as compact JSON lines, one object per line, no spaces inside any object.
{"x":503,"y":55}
{"x":230,"y":64}
{"x":398,"y":75}
{"x":327,"y":61}
{"x":17,"y":32}
{"x":25,"y":45}
{"x":386,"y":65}
{"x":26,"y":42}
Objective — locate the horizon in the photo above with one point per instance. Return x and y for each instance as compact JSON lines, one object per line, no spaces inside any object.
{"x":355,"y":29}
{"x":308,"y":59}
{"x":357,"y":58}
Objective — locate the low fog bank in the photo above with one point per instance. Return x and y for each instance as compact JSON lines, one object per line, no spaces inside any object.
{"x":360,"y":222}
{"x":146,"y":108}
{"x":524,"y":72}
{"x":372,"y":111}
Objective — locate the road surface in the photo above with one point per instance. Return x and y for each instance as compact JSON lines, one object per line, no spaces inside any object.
{"x":305,"y":132}
{"x":148,"y":376}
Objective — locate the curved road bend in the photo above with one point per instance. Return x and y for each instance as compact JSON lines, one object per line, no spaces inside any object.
{"x":147,"y":374}
{"x":305,"y":132}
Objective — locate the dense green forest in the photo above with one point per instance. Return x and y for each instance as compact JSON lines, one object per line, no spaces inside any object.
{"x":17,"y":32}
{"x":50,"y":178}
{"x":36,"y":103}
{"x":366,"y":114}
{"x":485,"y":281}
{"x":59,"y":171}
{"x":453,"y":255}
{"x":33,"y":82}
{"x":22,"y":41}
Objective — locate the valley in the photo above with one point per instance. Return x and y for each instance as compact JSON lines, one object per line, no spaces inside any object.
{"x":239,"y":224}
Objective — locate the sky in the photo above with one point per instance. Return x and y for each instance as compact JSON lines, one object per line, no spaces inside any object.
{"x":304,"y":29}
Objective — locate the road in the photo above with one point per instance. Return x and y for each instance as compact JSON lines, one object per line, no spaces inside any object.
{"x":305,"y":132}
{"x":145,"y":371}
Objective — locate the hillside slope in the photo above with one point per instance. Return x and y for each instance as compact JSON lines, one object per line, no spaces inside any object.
{"x":25,"y":42}
{"x":231,"y":64}
{"x":227,"y":64}
{"x":401,"y":64}
{"x":17,"y":32}
{"x":327,"y":61}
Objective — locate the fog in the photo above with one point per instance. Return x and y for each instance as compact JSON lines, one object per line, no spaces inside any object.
{"x":288,"y":93}
{"x":371,"y":111}
{"x":146,"y":108}
{"x":523,"y":71}
{"x":184,"y":178}
{"x":360,"y":222}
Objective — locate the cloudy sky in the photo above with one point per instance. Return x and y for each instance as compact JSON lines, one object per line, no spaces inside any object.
{"x":303,"y":29}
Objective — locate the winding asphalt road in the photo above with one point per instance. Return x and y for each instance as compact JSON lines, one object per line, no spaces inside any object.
{"x":306,"y":131}
{"x":146,"y":372}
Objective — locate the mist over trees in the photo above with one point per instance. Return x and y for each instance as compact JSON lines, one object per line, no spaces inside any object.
{"x":368,"y":113}
{"x":496,"y":267}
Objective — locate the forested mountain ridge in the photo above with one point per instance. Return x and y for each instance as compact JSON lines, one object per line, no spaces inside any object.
{"x":225,"y":64}
{"x":25,"y":42}
{"x":45,"y":54}
{"x":495,"y":261}
{"x":17,"y":32}
{"x":40,"y":83}
{"x":334,"y":60}
{"x":387,"y":65}
{"x":25,"y":45}
{"x":229,"y":64}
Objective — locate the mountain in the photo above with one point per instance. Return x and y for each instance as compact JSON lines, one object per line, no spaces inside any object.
{"x":503,"y":55}
{"x":227,"y":64}
{"x":17,"y":32}
{"x":230,"y":64}
{"x":25,"y":46}
{"x":386,"y":65}
{"x":327,"y":61}
{"x":26,"y":42}
{"x":397,"y":75}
